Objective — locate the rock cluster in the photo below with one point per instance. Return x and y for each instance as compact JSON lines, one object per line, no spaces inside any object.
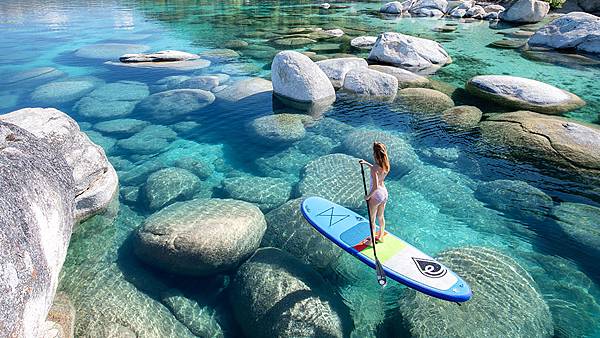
{"x":575,"y":30}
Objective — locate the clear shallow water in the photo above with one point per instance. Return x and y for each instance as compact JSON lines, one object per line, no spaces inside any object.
{"x":435,"y":207}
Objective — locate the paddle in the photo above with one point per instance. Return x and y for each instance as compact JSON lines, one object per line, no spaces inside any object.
{"x":378,"y":268}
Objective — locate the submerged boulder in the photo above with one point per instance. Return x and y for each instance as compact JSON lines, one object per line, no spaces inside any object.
{"x":96,"y":180}
{"x":405,"y":78}
{"x":275,"y":295}
{"x":576,"y":30}
{"x":169,"y":185}
{"x":581,"y":222}
{"x":121,"y":127}
{"x":409,"y":52}
{"x":245,"y":88}
{"x":525,"y":11}
{"x":109,"y":51}
{"x":62,"y":91}
{"x":424,"y":100}
{"x":150,"y":140}
{"x":280,"y":128}
{"x":521,"y":93}
{"x":394,"y":7}
{"x":501,"y":288}
{"x":336,"y":69}
{"x":112,"y":100}
{"x":36,"y":219}
{"x":201,"y":236}
{"x":462,"y":117}
{"x":266,"y":192}
{"x":370,"y":83}
{"x":171,"y":104}
{"x":297,"y":78}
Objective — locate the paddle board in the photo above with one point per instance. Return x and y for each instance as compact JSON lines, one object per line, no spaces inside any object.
{"x":401,"y":261}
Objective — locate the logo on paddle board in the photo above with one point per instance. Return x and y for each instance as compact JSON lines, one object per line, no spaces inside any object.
{"x":329,"y":213}
{"x":429,"y":268}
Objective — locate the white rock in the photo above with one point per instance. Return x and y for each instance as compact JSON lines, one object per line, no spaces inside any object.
{"x":458,"y":13}
{"x":577,"y":30}
{"x":426,"y":11}
{"x":325,"y":5}
{"x":363,"y":42}
{"x":371,"y":83}
{"x":409,"y":52}
{"x":492,"y":16}
{"x":161,"y":56}
{"x":526,"y":11}
{"x":429,"y":6}
{"x":394,"y":7}
{"x":242,"y":89}
{"x":405,"y":78}
{"x":476,"y":12}
{"x":334,"y":32}
{"x":493,"y":8}
{"x":297,"y":78}
{"x":336,"y":69}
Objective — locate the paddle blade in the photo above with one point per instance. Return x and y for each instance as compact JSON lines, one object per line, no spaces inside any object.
{"x":380,"y":274}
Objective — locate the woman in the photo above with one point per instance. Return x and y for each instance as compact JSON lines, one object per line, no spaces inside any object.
{"x":378,"y":196}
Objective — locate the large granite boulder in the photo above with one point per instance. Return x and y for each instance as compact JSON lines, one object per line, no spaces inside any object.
{"x":402,"y":157}
{"x":405,"y":78}
{"x":112,"y":100}
{"x":581,"y":222}
{"x":275,"y":295}
{"x":409,"y":52}
{"x":462,"y":117}
{"x":547,"y":140}
{"x":521,"y":93}
{"x":501,"y":288}
{"x":526,"y":11}
{"x":280,"y":128}
{"x":424,"y":100}
{"x":429,"y":7}
{"x":266,"y":192}
{"x":335,"y":177}
{"x":169,"y":185}
{"x":173,"y":104}
{"x":245,"y":88}
{"x":201,"y":236}
{"x":516,"y":199}
{"x":576,"y":30}
{"x":369,"y":83}
{"x":363,"y":42}
{"x":297,"y":78}
{"x":37,"y":211}
{"x":336,"y":69}
{"x":289,"y":231}
{"x":394,"y":7}
{"x":200,"y":319}
{"x":96,"y":180}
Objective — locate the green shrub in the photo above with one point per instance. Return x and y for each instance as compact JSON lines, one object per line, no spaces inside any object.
{"x":556,"y":3}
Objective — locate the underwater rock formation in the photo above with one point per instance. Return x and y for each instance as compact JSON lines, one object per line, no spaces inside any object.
{"x":109,"y":51}
{"x":424,"y":100}
{"x":462,"y":117}
{"x":525,"y":11}
{"x":576,"y":30}
{"x":121,"y":127}
{"x":152,"y":139}
{"x":201,"y":236}
{"x":112,"y":100}
{"x":501,"y":289}
{"x":280,"y":128}
{"x":169,"y":185}
{"x":172,"y":104}
{"x":275,"y":295}
{"x":581,"y":222}
{"x":61,"y":317}
{"x":245,"y":88}
{"x":62,"y":91}
{"x":266,"y":192}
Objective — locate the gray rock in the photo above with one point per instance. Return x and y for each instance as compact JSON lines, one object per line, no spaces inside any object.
{"x":429,"y":7}
{"x":201,"y":236}
{"x":275,"y":295}
{"x":334,"y":32}
{"x":280,"y":128}
{"x":245,"y":88}
{"x":285,"y":164}
{"x":161,"y":56}
{"x":496,"y":280}
{"x":109,"y":51}
{"x":581,"y":222}
{"x":476,"y":12}
{"x":185,"y":126}
{"x":409,"y":52}
{"x":493,"y":8}
{"x":525,"y":11}
{"x":424,"y":100}
{"x":112,"y":100}
{"x":121,"y":127}
{"x":62,"y":314}
{"x":36,"y":217}
{"x":139,"y":173}
{"x":462,"y":117}
{"x":288,"y":231}
{"x":107,"y":143}
{"x":394,"y":7}
{"x":201,"y":320}
{"x":576,"y":30}
{"x":151,"y":140}
{"x":172,"y":104}
{"x":204,"y":82}
{"x":293,"y":41}
{"x":521,"y":93}
{"x":335,"y":177}
{"x":169,"y":185}
{"x":363,"y":42}
{"x":96,"y":181}
{"x":297,"y":78}
{"x":266,"y":192}
{"x":516,"y":199}
{"x":370,"y":83}
{"x":220,"y":55}
{"x":235,"y":44}
{"x":170,"y":82}
{"x":336,"y":69}
{"x":32,"y":75}
{"x":182,"y":66}
{"x":241,"y":69}
{"x":199,"y":168}
{"x":589,"y":6}
{"x":62,"y":91}
{"x":405,"y":78}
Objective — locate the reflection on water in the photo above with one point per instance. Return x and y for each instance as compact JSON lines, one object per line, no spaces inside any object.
{"x":442,"y":203}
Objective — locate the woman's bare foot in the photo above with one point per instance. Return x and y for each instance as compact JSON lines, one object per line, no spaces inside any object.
{"x":367,"y":241}
{"x":379,"y":237}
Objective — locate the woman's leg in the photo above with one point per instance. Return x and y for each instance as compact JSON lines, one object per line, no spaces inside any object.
{"x":373,"y":206}
{"x":381,"y":218}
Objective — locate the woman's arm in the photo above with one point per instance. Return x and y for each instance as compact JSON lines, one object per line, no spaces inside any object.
{"x":366,"y":163}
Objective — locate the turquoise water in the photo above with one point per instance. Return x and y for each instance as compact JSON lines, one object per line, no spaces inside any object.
{"x":436,"y":206}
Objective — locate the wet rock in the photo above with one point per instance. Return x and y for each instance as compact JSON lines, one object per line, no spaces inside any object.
{"x":493,"y":8}
{"x":161,"y":56}
{"x":326,"y":48}
{"x":297,"y":78}
{"x":63,"y":91}
{"x":174,"y":103}
{"x":198,"y":167}
{"x":546,"y":140}
{"x":275,"y":295}
{"x":151,"y":140}
{"x":130,"y":195}
{"x":336,"y":69}
{"x":525,"y":11}
{"x":409,"y":52}
{"x":112,"y":100}
{"x":266,"y":192}
{"x":280,"y":128}
{"x":139,"y":173}
{"x":245,"y":68}
{"x":245,"y":88}
{"x":370,"y":83}
{"x":169,"y":185}
{"x":62,"y":314}
{"x":363,"y":42}
{"x":493,"y":16}
{"x":476,"y":12}
{"x":507,"y":44}
{"x":405,"y":78}
{"x":121,"y":127}
{"x":394,"y":7}
{"x":462,"y":117}
{"x":443,"y":157}
{"x":521,"y":93}
{"x":109,"y":51}
{"x":501,"y":288}
{"x":515,"y":198}
{"x":32,"y":75}
{"x":95,"y":178}
{"x":235,"y":44}
{"x":424,"y":100}
{"x":576,"y":30}
{"x":335,"y":177}
{"x":170,"y":82}
{"x":183,"y":66}
{"x":334,"y":32}
{"x":285,"y":164}
{"x":204,"y":82}
{"x":220,"y":55}
{"x":429,"y":7}
{"x":288,"y":231}
{"x":201,"y":236}
{"x":293,"y":42}
{"x":359,"y":143}
{"x":581,"y":222}
{"x":36,"y":215}
{"x":200,"y":320}
{"x":107,"y":143}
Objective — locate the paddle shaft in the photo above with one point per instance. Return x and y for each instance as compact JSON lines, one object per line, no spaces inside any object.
{"x":371,"y":226}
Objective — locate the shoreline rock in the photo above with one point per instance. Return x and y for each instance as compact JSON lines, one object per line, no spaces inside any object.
{"x":576,"y":30}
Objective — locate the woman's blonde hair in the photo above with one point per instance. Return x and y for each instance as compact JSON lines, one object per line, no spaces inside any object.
{"x":381,"y":156}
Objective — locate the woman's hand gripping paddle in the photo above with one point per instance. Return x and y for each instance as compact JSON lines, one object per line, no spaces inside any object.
{"x":378,"y":268}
